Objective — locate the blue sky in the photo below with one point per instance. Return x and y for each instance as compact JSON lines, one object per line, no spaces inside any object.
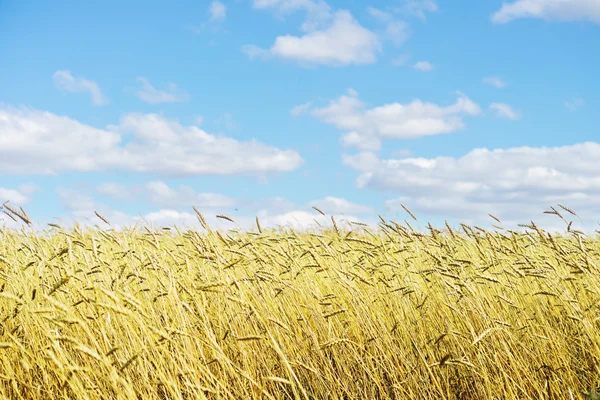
{"x":268,"y":107}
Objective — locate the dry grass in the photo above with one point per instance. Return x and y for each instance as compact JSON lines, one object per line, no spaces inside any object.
{"x":393,"y":314}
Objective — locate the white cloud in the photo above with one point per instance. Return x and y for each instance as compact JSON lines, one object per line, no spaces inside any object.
{"x":423,"y":66}
{"x":217,"y":11}
{"x":254,"y":52}
{"x":151,"y":95}
{"x":574,"y":103}
{"x":379,"y":14}
{"x":81,"y":208}
{"x":13,"y":196}
{"x":38,"y":142}
{"x":359,"y":141}
{"x":402,"y":153}
{"x":516,"y":183}
{"x":343,"y":42}
{"x":318,"y":11}
{"x":76,"y":200}
{"x":7,"y":219}
{"x":169,"y":217}
{"x":364,"y":161}
{"x":562,"y":10}
{"x":393,"y":121}
{"x":300,"y":109}
{"x":396,"y":31}
{"x":8,"y":223}
{"x":159,"y":193}
{"x":304,"y":220}
{"x":417,"y":7}
{"x":28,"y":189}
{"x":63,"y":80}
{"x":271,"y":213}
{"x":336,"y":205}
{"x":503,"y":110}
{"x":114,"y":191}
{"x":494,"y":81}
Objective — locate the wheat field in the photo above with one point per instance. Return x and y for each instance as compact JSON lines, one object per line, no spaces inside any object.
{"x":340,"y":313}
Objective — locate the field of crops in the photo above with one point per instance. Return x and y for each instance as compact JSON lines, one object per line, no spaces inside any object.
{"x":342,"y":313}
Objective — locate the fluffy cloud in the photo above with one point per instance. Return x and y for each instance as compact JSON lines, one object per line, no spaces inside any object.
{"x":271,"y":212}
{"x":160,"y":194}
{"x":335,"y":38}
{"x":336,"y":205}
{"x":305,"y":220}
{"x":217,"y":11}
{"x":115,"y":191}
{"x":39,"y":142}
{"x":494,"y":81}
{"x":365,"y":142}
{"x":516,"y":183}
{"x":19,"y":196}
{"x":318,"y":11}
{"x":503,"y":110}
{"x":396,"y":30}
{"x":64,"y":81}
{"x":149,"y":94}
{"x":423,"y":66}
{"x":299,"y":109}
{"x":254,"y":52}
{"x":417,"y":7}
{"x":393,"y":121}
{"x":344,"y":41}
{"x":81,"y":208}
{"x":562,"y":10}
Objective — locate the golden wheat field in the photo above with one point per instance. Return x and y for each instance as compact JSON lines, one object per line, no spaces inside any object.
{"x":342,"y":313}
